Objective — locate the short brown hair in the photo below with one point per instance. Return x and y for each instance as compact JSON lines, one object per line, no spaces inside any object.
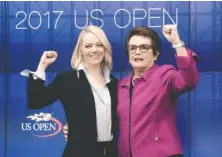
{"x":145,"y":32}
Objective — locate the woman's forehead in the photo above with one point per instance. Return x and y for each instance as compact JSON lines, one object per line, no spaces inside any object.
{"x":138,"y":40}
{"x":90,"y":38}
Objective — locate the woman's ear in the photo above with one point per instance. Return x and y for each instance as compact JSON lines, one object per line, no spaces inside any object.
{"x":156,"y":55}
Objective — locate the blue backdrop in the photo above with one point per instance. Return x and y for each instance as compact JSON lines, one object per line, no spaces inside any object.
{"x":200,"y":26}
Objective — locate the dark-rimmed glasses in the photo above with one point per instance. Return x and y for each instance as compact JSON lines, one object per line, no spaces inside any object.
{"x":143,"y":48}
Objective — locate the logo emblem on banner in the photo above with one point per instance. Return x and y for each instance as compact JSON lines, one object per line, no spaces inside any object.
{"x":42,"y":125}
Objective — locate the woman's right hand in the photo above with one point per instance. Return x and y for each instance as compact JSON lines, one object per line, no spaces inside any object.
{"x":48,"y":57}
{"x":66,"y":132}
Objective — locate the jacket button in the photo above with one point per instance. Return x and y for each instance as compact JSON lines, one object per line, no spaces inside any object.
{"x":156,"y":138}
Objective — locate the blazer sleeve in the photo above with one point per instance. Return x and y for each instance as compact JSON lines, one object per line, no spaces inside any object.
{"x":183,"y":79}
{"x":39,"y":95}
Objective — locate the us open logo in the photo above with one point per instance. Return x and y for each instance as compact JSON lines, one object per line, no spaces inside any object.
{"x":42,"y":125}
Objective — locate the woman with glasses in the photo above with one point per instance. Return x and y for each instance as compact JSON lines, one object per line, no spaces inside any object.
{"x":147,"y":98}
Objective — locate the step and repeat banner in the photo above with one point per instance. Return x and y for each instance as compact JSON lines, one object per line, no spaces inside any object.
{"x":29,"y":28}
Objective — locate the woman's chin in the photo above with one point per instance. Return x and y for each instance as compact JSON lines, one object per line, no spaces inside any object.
{"x":95,"y":62}
{"x":137,"y":65}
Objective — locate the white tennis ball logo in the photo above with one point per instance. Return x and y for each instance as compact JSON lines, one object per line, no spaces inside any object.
{"x":47,"y":117}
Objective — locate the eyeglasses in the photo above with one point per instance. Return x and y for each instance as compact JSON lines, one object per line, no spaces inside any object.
{"x":143,"y":48}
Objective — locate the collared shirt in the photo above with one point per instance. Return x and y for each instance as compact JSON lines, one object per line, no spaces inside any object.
{"x":103,"y":106}
{"x":102,"y":102}
{"x":106,"y":72}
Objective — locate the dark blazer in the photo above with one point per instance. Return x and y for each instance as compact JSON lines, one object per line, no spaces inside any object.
{"x":77,"y":99}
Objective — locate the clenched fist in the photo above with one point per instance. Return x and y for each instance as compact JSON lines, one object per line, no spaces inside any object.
{"x":48,"y":57}
{"x":66,"y":131}
{"x":171,"y":34}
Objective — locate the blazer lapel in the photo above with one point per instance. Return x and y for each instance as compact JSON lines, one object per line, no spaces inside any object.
{"x":87,"y":98}
{"x":112,"y":86}
{"x":86,"y":90}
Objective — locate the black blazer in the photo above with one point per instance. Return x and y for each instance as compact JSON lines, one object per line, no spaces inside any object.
{"x":77,"y":99}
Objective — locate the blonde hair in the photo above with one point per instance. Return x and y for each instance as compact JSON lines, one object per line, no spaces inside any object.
{"x":76,"y":59}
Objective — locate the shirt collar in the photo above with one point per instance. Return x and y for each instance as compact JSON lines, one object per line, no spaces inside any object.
{"x":128,"y":80}
{"x":106,"y":72}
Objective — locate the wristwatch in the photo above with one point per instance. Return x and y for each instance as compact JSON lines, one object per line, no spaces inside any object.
{"x":181,"y":44}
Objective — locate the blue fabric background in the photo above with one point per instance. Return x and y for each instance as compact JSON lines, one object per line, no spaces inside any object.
{"x":199,"y":112}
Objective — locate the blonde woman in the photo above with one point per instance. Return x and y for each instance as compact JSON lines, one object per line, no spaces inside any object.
{"x":87,"y":93}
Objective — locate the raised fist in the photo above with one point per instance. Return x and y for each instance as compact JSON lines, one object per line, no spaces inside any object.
{"x":48,"y":57}
{"x":171,"y":34}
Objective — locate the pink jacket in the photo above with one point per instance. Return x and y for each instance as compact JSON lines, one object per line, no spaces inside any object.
{"x":148,"y":122}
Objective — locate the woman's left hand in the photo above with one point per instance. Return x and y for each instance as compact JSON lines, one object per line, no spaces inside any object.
{"x":171,"y":34}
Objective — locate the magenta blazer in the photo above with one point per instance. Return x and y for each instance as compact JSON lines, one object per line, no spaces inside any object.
{"x":148,"y":120}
